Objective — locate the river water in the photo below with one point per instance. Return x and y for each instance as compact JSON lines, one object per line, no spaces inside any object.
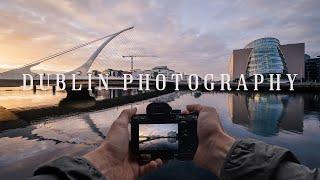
{"x":288,"y":120}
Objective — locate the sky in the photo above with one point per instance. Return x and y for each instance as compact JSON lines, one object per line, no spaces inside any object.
{"x":188,"y":36}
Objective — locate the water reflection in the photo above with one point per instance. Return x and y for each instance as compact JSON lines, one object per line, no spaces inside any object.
{"x":82,"y":130}
{"x":312,"y":103}
{"x":167,"y":98}
{"x":291,"y":121}
{"x":93,"y":126}
{"x":19,"y":108}
{"x":115,"y":92}
{"x":101,"y":95}
{"x":18,"y":99}
{"x":265,"y":114}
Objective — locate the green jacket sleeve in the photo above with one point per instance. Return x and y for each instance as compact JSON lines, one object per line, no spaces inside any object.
{"x":68,"y":168}
{"x":247,"y":159}
{"x":251,"y":159}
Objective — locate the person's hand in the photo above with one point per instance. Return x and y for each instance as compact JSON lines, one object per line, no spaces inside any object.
{"x":113,"y":157}
{"x":214,"y":143}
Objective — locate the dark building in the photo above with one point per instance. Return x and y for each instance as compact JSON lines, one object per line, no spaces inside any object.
{"x":312,"y":69}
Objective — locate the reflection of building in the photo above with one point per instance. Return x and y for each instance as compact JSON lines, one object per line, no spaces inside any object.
{"x":265,"y":56}
{"x":112,"y":93}
{"x":169,"y":97}
{"x":293,"y":115}
{"x":312,"y":69}
{"x":312,"y":103}
{"x":265,"y":114}
{"x":238,"y":109}
{"x":197,"y":94}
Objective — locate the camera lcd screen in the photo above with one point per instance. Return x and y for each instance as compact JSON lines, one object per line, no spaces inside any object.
{"x":155,"y":137}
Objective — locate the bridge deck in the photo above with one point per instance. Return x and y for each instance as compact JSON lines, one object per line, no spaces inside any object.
{"x":83,"y":81}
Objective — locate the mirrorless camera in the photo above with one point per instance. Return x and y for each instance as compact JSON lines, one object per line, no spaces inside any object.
{"x":164,"y":133}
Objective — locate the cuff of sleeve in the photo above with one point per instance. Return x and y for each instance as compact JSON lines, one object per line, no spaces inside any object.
{"x":70,"y":168}
{"x":253,"y":159}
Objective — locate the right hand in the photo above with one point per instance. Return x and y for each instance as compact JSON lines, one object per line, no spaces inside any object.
{"x":214,"y":143}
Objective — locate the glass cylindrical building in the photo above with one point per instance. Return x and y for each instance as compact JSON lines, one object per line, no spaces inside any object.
{"x":265,"y":58}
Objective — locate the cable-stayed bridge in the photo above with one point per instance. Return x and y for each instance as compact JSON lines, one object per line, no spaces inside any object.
{"x":14,"y":77}
{"x":16,"y":74}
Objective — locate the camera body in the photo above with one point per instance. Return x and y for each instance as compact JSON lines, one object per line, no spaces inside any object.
{"x":164,"y":133}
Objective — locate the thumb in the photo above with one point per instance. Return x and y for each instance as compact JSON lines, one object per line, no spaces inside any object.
{"x":125,"y":117}
{"x":194,"y":108}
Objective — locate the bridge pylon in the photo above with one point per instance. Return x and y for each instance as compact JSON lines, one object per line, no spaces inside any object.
{"x":16,"y":74}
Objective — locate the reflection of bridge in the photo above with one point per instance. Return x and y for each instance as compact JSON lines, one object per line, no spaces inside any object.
{"x":13,"y":78}
{"x":148,"y":138}
{"x":172,"y":137}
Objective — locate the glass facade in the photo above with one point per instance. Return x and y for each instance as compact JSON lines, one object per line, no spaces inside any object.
{"x":265,"y":58}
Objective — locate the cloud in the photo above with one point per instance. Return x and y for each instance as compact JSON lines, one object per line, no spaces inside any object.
{"x":188,"y":36}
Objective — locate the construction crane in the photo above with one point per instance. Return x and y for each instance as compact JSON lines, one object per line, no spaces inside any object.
{"x":135,"y":56}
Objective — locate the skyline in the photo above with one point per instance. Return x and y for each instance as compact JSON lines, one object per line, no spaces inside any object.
{"x":193,"y":34}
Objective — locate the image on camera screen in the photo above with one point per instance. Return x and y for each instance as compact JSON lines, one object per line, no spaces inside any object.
{"x":158,"y":137}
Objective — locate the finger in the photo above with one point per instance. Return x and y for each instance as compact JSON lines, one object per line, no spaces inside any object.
{"x":128,"y":113}
{"x":152,"y":165}
{"x":185,"y":112}
{"x":125,"y":117}
{"x":194,"y":108}
{"x":159,"y":162}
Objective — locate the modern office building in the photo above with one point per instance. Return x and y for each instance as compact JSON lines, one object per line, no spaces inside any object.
{"x":312,"y":69}
{"x":266,"y":56}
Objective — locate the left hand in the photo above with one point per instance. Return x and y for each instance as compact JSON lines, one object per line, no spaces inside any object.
{"x":113,"y":158}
